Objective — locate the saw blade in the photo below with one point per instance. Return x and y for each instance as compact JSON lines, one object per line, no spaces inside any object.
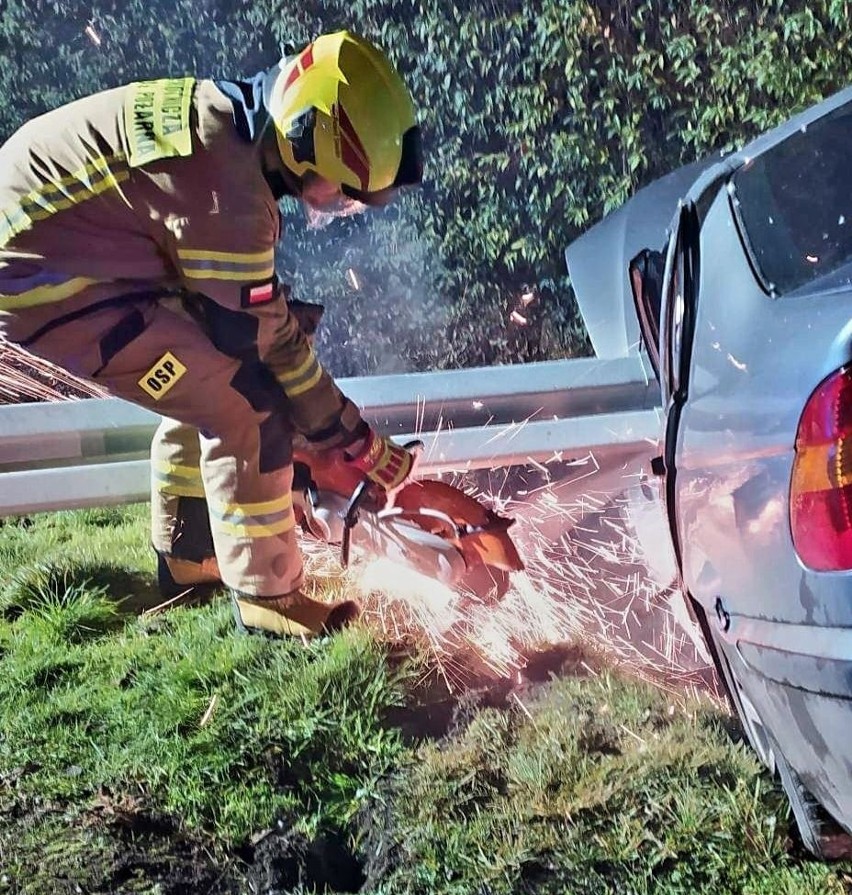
{"x":401,"y":540}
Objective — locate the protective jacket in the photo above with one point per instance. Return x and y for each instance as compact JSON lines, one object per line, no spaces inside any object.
{"x":157,"y":186}
{"x":137,"y":237}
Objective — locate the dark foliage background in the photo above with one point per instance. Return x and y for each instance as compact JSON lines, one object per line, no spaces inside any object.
{"x":538,"y":120}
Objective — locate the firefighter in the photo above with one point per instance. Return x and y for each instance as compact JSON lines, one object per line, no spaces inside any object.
{"x":137,"y":236}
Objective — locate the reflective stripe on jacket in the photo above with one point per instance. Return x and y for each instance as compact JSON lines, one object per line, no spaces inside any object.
{"x":152,"y":185}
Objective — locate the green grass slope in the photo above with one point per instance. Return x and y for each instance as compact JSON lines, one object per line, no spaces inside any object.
{"x":162,"y":752}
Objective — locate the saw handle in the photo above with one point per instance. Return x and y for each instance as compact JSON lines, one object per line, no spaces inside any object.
{"x":362,"y":492}
{"x":350,"y":518}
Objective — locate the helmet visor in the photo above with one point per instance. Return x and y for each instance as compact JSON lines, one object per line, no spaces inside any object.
{"x":376,"y":199}
{"x":319,"y":215}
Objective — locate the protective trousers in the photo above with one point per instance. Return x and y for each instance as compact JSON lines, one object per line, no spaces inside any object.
{"x":221,"y":459}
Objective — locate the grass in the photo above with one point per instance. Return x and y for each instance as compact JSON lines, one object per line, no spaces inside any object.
{"x":164,"y":753}
{"x":596,"y":786}
{"x":83,"y":710}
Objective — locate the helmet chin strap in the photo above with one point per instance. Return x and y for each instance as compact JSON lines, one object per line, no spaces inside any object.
{"x":282,"y":181}
{"x":271,"y":77}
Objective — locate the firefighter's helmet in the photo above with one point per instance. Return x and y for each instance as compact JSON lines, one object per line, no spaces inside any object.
{"x":342,"y":111}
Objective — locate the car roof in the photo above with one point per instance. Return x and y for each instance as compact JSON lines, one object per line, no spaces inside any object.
{"x":710,"y":176}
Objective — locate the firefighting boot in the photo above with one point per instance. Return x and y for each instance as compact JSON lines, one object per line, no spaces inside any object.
{"x":291,"y":615}
{"x":183,"y":541}
{"x":177,"y":576}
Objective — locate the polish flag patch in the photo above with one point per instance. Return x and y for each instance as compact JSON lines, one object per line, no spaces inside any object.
{"x":254,"y":294}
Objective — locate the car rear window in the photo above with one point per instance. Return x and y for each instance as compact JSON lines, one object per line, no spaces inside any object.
{"x":795,"y":204}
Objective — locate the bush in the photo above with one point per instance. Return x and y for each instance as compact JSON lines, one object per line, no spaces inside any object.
{"x":535,"y":126}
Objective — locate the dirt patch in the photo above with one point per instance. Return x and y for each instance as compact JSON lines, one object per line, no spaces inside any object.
{"x":150,"y":849}
{"x":119,"y":846}
{"x":283,"y":860}
{"x":436,"y":710}
{"x":48,"y":849}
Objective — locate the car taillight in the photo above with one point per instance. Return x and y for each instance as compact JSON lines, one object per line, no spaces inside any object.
{"x":821,"y":488}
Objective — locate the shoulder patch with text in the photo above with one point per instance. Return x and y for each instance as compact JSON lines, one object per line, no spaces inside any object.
{"x":160,"y":379}
{"x":260,"y":293}
{"x":156,"y":118}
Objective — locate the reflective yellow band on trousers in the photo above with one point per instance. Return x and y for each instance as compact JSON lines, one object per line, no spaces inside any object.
{"x":254,"y":520}
{"x":180,"y":481}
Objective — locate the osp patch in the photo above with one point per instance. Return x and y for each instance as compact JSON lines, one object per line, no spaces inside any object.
{"x":160,"y":379}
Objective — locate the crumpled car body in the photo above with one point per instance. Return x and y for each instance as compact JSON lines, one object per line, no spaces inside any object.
{"x":735,"y":276}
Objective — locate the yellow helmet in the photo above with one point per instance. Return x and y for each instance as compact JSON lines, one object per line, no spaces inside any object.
{"x":342,"y":111}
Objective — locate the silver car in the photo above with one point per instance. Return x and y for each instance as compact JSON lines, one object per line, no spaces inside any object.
{"x":743,"y":302}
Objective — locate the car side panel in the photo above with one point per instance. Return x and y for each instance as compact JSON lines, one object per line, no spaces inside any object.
{"x":755,"y":362}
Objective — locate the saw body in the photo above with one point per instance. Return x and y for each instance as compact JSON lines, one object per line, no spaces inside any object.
{"x":433,"y":528}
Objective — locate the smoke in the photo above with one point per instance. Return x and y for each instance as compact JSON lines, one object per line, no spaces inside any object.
{"x":381,"y":283}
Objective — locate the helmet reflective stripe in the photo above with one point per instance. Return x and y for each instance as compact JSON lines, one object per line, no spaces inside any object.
{"x":304,"y":61}
{"x":342,"y":111}
{"x":352,"y":150}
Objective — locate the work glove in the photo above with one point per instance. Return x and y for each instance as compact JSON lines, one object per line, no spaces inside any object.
{"x":386,"y":464}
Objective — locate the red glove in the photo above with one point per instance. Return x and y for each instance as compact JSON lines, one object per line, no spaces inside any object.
{"x":382,"y":461}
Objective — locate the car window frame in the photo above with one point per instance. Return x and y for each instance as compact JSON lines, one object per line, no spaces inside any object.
{"x":746,"y":231}
{"x":650,"y":323}
{"x":681,"y":271}
{"x":667,"y":382}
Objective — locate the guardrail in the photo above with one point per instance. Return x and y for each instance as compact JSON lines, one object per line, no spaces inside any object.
{"x":93,"y":452}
